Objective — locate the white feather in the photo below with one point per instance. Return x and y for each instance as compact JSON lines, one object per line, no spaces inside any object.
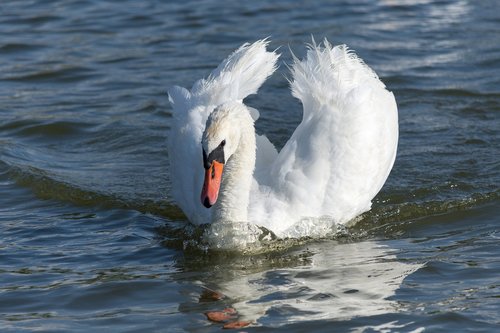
{"x":239,"y":75}
{"x":330,"y":169}
{"x":341,"y":153}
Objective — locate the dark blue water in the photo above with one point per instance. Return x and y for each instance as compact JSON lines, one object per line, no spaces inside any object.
{"x":90,"y":239}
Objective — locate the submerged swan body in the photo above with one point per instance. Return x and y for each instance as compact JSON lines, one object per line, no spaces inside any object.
{"x":328,"y":172}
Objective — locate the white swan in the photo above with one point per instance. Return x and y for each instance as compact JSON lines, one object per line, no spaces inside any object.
{"x":328,"y":172}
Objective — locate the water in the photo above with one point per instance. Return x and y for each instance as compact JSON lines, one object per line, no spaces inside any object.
{"x":90,"y":240}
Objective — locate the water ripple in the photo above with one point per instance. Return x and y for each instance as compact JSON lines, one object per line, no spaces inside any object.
{"x":90,"y":237}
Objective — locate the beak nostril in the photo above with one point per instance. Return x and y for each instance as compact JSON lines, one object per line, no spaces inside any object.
{"x":213,"y":172}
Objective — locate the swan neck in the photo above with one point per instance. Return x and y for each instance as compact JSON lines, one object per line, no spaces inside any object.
{"x":237,"y":180}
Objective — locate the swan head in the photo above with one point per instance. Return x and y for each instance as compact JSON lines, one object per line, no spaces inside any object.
{"x":219,"y":142}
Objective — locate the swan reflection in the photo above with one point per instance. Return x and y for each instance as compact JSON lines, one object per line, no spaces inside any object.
{"x":327,"y":281}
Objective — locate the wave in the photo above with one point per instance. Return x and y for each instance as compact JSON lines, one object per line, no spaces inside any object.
{"x":46,"y":186}
{"x":58,"y":74}
{"x":30,"y":128}
{"x":392,"y":220}
{"x":386,"y":219}
{"x":19,"y":47}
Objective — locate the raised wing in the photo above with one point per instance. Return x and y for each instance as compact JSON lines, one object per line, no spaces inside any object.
{"x":341,"y":153}
{"x":239,"y":75}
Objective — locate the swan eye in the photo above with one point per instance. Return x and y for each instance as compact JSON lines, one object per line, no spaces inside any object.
{"x":223,"y":143}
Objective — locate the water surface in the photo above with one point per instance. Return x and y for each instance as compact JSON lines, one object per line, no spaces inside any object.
{"x":91,"y":240}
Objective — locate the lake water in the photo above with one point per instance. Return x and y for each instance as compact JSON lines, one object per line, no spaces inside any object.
{"x":90,"y":239}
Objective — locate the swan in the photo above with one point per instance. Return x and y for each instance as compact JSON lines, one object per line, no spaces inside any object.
{"x":333,"y":165}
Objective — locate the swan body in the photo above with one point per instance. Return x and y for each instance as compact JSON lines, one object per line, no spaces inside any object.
{"x":328,"y":172}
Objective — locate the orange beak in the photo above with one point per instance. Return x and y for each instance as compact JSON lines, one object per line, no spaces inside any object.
{"x":211,"y":185}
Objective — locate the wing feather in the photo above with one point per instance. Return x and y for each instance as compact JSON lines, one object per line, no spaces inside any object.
{"x":239,"y":75}
{"x":341,"y":153}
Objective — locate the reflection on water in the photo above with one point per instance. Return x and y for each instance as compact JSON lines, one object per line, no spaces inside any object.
{"x":327,"y":281}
